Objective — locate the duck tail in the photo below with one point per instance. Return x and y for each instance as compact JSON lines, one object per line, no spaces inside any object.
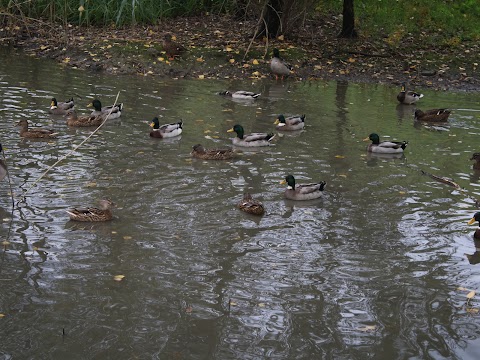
{"x":322,"y":185}
{"x":404,"y":145}
{"x":303,"y":118}
{"x":180,"y":123}
{"x":120,"y":106}
{"x":270,"y":137}
{"x":256,"y":95}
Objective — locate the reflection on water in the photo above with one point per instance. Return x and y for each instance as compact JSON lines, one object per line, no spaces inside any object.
{"x":372,"y":267}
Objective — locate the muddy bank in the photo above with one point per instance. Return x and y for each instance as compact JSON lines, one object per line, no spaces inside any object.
{"x":222,"y":47}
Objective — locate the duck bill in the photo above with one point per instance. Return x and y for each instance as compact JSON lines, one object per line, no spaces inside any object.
{"x":90,"y":105}
{"x":230,"y":130}
{"x":283,"y":182}
{"x":151,"y":124}
{"x":472,"y":220}
{"x":276,"y":122}
{"x":366,"y":139}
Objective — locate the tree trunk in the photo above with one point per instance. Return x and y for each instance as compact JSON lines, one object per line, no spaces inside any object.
{"x":271,"y":25}
{"x":348,"y":26}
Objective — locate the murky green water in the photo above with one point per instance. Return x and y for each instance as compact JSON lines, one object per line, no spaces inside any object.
{"x":371,"y":270}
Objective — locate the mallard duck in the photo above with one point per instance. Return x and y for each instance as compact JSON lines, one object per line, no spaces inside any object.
{"x":83,"y":121}
{"x":172,"y":49}
{"x":212,"y":154}
{"x":3,"y":165}
{"x":408,"y":97}
{"x":60,"y":108}
{"x":37,"y":133}
{"x":116,"y":110}
{"x":278,"y":66}
{"x":250,"y":205}
{"x":433,"y":115}
{"x":304,"y":191}
{"x":476,"y":157}
{"x":241,"y":94}
{"x":165,"y":131}
{"x":475,"y":218}
{"x":290,"y":123}
{"x":250,"y":140}
{"x":385,"y":147}
{"x":103,"y":213}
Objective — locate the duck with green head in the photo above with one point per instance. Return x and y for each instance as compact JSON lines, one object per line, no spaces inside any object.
{"x":291,"y":123}
{"x":60,"y":108}
{"x":165,"y":131}
{"x":278,"y":66}
{"x":296,"y":191}
{"x":113,"y":111}
{"x":384,"y":147}
{"x":250,"y":140}
{"x":240,"y":94}
{"x":408,"y":97}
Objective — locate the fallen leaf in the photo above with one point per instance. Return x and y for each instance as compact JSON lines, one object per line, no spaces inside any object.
{"x":472,"y":310}
{"x":2,"y":315}
{"x":461,"y":289}
{"x":201,"y":76}
{"x":471,"y":294}
{"x":255,"y":62}
{"x":200,"y":59}
{"x":231,"y":61}
{"x":281,"y":38}
{"x":127,"y":237}
{"x":66,"y":60}
{"x":188,"y":309}
{"x":367,"y":328}
{"x":118,"y":277}
{"x":228,"y":49}
{"x":340,"y":156}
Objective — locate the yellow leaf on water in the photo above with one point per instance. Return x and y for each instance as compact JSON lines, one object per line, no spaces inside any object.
{"x":127,"y":238}
{"x":233,"y":303}
{"x":281,"y":38}
{"x":160,"y":59}
{"x":261,"y":305}
{"x":256,"y":73}
{"x":91,"y":184}
{"x":109,"y":46}
{"x":461,"y":289}
{"x":402,"y":192}
{"x":207,"y":131}
{"x":66,"y":60}
{"x":471,"y":294}
{"x":343,"y":175}
{"x":118,"y":277}
{"x":5,"y":243}
{"x":255,"y":62}
{"x":228,"y":48}
{"x":114,"y":232}
{"x":472,"y":310}
{"x":200,"y":59}
{"x":43,"y":47}
{"x":2,"y":315}
{"x":340,"y":156}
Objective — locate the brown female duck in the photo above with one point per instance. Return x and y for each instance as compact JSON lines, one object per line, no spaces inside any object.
{"x":83,"y":121}
{"x":37,"y":133}
{"x":171,"y":48}
{"x":200,"y":152}
{"x":433,"y":115}
{"x":476,"y":157}
{"x":91,"y":214}
{"x":250,"y":205}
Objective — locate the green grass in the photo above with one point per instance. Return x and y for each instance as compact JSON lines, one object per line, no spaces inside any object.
{"x":391,"y":18}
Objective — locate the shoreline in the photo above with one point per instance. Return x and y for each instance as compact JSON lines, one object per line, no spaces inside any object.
{"x":214,"y":51}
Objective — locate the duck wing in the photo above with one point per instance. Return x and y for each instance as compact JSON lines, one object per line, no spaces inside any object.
{"x":310,"y":188}
{"x":168,"y":128}
{"x":257,"y":137}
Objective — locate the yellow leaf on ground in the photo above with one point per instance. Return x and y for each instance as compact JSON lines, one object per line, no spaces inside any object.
{"x":66,"y":60}
{"x":200,"y":59}
{"x":231,"y":61}
{"x":118,"y":277}
{"x":201,"y":76}
{"x":228,"y":49}
{"x":160,"y":59}
{"x":255,"y":62}
{"x":351,"y":60}
{"x":256,"y":73}
{"x":281,"y":38}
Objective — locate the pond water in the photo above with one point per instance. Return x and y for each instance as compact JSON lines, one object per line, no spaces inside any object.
{"x":370,"y":270}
